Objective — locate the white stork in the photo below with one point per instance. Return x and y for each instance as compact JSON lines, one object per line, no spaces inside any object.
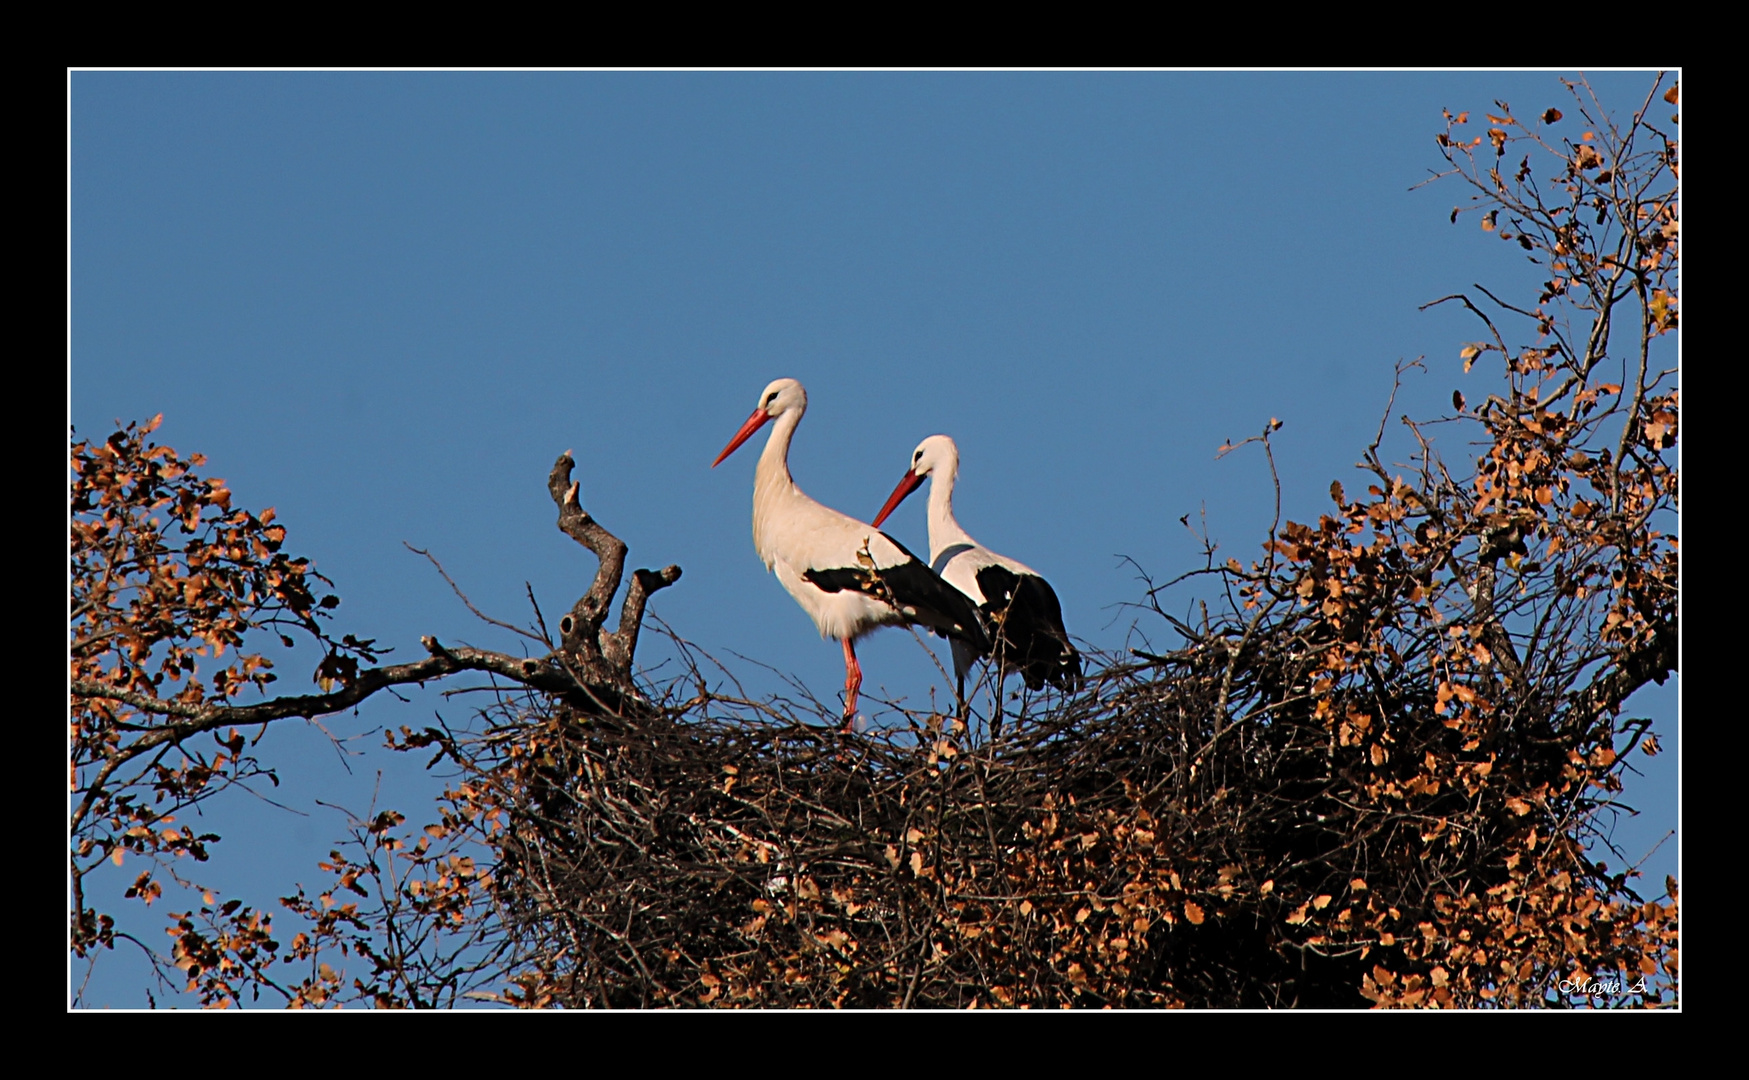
{"x":847,"y":575}
{"x":1018,"y":608}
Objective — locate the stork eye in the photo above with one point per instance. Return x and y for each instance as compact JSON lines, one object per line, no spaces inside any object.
{"x":918,"y":456}
{"x":769,"y":398}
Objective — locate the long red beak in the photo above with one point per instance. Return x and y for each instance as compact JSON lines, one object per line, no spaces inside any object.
{"x":754,"y":423}
{"x":910,"y":483}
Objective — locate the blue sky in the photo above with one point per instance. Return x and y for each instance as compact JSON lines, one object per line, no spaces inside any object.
{"x":382,"y":303}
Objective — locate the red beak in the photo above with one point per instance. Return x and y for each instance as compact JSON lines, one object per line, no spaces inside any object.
{"x":754,"y":423}
{"x":910,"y":483}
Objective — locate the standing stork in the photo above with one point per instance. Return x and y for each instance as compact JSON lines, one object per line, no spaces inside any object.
{"x":1018,"y":608}
{"x":847,"y":575}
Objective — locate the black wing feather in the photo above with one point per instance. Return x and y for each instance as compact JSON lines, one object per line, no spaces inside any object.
{"x":1025,"y":619}
{"x":912,"y":585}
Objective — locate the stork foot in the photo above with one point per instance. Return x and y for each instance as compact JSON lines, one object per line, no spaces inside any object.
{"x":848,"y":751}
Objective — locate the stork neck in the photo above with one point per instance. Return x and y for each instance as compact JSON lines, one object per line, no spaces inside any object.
{"x":944,"y":530}
{"x":773,"y":487}
{"x":773,"y":470}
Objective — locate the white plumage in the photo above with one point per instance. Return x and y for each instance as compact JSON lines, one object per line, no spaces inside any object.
{"x":846,"y":574}
{"x":1019,"y":610}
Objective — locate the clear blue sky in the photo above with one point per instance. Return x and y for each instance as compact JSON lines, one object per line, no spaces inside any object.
{"x":383,"y":303}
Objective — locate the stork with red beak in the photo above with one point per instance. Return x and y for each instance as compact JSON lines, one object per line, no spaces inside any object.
{"x":1019,"y":609}
{"x":847,"y":575}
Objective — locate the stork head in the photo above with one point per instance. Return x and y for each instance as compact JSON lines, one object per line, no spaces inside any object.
{"x":778,"y":397}
{"x":935,"y":452}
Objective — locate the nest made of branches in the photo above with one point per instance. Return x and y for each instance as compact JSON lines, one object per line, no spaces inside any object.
{"x":1114,"y":846}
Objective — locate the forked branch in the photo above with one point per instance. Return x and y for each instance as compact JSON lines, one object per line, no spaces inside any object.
{"x":598,"y":657}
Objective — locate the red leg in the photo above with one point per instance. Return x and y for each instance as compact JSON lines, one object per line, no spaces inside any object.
{"x":852,"y":683}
